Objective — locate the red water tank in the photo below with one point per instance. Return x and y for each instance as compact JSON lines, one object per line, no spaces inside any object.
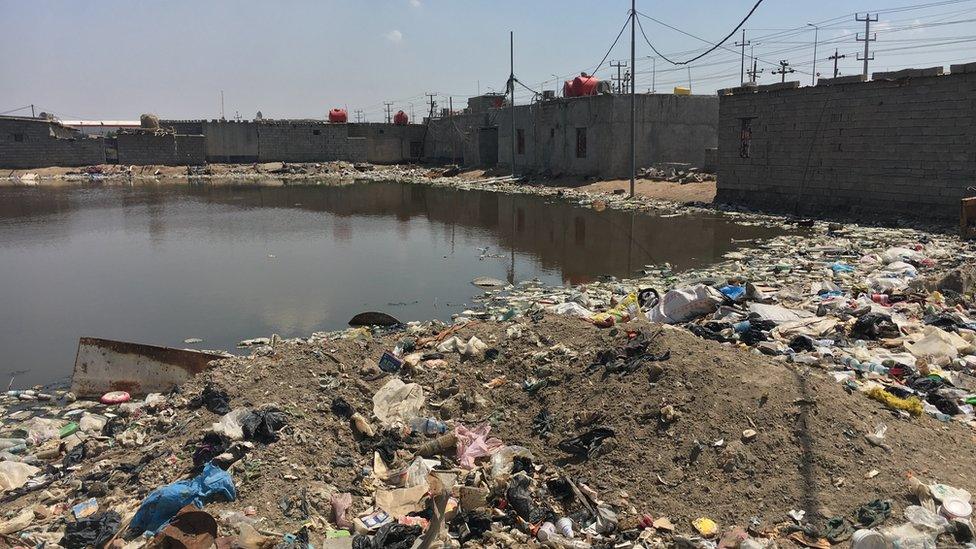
{"x":338,"y":116}
{"x":580,"y":86}
{"x":400,"y":118}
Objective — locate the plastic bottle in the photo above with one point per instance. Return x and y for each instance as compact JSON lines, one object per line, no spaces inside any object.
{"x":7,"y":443}
{"x":565,"y":527}
{"x":562,"y":542}
{"x":427,"y":426}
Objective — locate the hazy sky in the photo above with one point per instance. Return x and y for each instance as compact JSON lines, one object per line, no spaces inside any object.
{"x":117,"y":59}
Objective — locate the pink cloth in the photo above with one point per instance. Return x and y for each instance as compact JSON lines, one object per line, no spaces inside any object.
{"x":474,"y":443}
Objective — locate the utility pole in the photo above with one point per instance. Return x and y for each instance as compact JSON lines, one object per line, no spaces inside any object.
{"x":633,"y":99}
{"x":222,"y":104}
{"x":388,"y":104}
{"x":411,"y":113}
{"x":653,"y":74}
{"x":868,"y":38}
{"x":754,"y":73}
{"x":816,"y":35}
{"x":783,"y":70}
{"x":742,"y":63}
{"x":432,"y":104}
{"x":359,"y":116}
{"x":511,"y":87}
{"x":835,"y":57}
{"x":32,"y":111}
{"x":618,"y":65}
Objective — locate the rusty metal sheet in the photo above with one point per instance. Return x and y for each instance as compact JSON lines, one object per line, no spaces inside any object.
{"x":104,"y":365}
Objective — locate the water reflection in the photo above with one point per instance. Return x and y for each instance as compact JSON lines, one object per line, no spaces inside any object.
{"x":158,"y":263}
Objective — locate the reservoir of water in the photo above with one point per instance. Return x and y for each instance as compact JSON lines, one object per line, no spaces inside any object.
{"x":160,"y":263}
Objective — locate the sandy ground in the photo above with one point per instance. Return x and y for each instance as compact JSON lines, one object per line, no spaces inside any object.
{"x":662,"y":190}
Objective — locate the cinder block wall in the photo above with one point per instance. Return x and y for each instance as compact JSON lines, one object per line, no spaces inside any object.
{"x":903,"y":143}
{"x":388,"y":143}
{"x":34,"y":143}
{"x":670,"y":128}
{"x":140,"y":149}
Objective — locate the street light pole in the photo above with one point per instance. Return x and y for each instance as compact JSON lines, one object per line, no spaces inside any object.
{"x":816,"y":35}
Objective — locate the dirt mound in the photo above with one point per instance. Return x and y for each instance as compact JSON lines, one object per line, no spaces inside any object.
{"x":679,"y":449}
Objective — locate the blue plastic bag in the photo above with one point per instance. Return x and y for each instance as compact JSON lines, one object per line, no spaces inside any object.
{"x":164,"y":502}
{"x":839,"y":267}
{"x":732,"y":291}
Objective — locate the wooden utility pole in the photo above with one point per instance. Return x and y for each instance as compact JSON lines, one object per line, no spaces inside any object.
{"x":835,"y":57}
{"x":783,"y":69}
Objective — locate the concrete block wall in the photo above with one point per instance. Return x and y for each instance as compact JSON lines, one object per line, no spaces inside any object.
{"x":456,"y":138}
{"x":166,"y":149}
{"x":34,"y":143}
{"x":388,"y":143}
{"x":670,"y":128}
{"x":901,"y":144}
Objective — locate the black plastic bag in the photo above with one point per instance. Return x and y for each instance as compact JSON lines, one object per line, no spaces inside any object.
{"x":586,"y":444}
{"x":520,"y":498}
{"x":341,"y":408}
{"x":214,"y":398}
{"x":75,"y":456}
{"x":94,"y":531}
{"x":396,"y":536}
{"x":263,"y":425}
{"x":873,"y":326}
{"x":209,"y":447}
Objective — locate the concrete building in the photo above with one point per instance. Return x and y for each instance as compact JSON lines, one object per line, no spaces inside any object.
{"x":39,"y":142}
{"x":590,"y":136}
{"x":903,"y":143}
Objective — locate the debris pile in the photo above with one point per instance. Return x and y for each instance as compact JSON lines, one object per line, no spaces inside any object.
{"x":542,"y":430}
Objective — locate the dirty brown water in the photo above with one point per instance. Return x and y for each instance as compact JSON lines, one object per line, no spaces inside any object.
{"x":159,"y":263}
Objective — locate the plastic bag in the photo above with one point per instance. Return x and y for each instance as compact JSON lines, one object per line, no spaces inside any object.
{"x":474,"y":443}
{"x":685,"y":304}
{"x":397,"y":402}
{"x":628,"y":309}
{"x":263,"y":425}
{"x":503,"y":460}
{"x":938,"y":346}
{"x":14,"y":474}
{"x":93,"y":531}
{"x":571,"y":308}
{"x":229,"y":425}
{"x":164,"y":502}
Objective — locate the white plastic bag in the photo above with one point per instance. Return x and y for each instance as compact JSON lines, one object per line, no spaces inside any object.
{"x":682,"y":305}
{"x":397,"y":402}
{"x":14,"y":474}
{"x":229,"y":425}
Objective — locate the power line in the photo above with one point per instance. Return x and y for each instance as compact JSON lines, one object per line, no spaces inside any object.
{"x":708,"y":51}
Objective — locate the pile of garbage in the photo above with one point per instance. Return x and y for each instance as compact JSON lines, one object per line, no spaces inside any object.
{"x":541,"y":430}
{"x":863,"y":311}
{"x":675,"y":173}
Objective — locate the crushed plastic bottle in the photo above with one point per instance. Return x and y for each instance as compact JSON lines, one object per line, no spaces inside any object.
{"x":426,"y":426}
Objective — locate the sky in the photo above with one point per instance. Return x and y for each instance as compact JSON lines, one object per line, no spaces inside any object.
{"x":116,"y":59}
